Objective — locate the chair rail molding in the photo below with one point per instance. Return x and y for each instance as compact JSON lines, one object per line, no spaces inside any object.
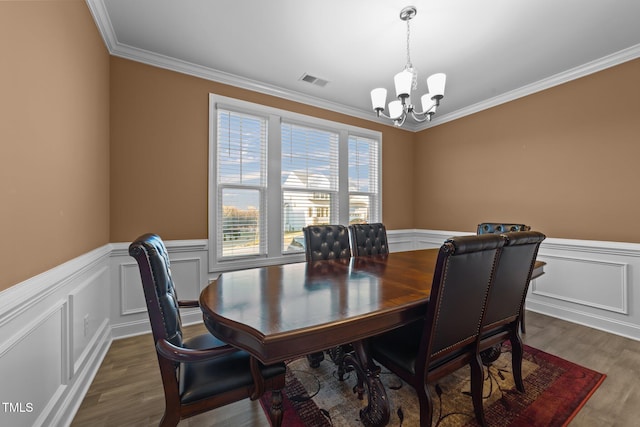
{"x":77,"y":308}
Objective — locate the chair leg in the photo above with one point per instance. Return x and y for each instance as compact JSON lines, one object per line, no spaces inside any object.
{"x":522,"y":321}
{"x":516,"y":361}
{"x":275,"y":412}
{"x":314,"y":359}
{"x":426,"y":405}
{"x":477,"y":381}
{"x":170,"y":419}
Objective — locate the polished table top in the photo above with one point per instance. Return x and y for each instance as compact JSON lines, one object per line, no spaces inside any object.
{"x":284,"y":311}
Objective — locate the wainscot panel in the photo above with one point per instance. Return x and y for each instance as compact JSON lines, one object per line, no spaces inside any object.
{"x":593,"y":283}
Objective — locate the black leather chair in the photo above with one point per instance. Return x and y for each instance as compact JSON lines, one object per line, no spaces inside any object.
{"x":447,"y":339}
{"x":507,"y":295}
{"x":498,"y":227}
{"x":369,"y":239}
{"x":324,"y":242}
{"x":201,"y":373}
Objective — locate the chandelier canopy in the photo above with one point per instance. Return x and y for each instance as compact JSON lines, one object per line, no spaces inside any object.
{"x":405,"y":81}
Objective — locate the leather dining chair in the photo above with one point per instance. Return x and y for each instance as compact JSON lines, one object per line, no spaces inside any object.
{"x":369,"y":239}
{"x":447,"y":339}
{"x":324,"y":242}
{"x":201,"y":373}
{"x":506,"y":298}
{"x":498,"y":227}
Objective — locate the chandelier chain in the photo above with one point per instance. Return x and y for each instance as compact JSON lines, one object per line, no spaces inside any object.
{"x":409,"y":66}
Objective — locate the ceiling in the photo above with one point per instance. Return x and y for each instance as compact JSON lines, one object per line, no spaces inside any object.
{"x":492,"y":51}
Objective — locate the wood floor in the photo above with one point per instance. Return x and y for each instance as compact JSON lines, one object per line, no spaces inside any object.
{"x":127,"y":390}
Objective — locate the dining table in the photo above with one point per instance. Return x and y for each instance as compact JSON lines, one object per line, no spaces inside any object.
{"x":282,"y":312}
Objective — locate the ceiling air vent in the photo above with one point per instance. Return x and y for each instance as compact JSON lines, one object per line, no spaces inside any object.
{"x":314,"y":80}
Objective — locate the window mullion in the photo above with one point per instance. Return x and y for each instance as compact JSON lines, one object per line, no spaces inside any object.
{"x":274,"y":191}
{"x":343,"y":178}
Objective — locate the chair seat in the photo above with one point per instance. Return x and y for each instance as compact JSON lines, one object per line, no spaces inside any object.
{"x":229,"y":372}
{"x":400,"y":345}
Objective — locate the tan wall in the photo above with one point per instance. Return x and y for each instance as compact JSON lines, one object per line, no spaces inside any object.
{"x":565,"y":160}
{"x":54,"y":136}
{"x":159,"y":149}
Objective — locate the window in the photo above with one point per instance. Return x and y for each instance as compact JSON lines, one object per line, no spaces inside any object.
{"x":309,"y":165}
{"x":364,"y":200}
{"x":273,"y":172}
{"x":241,"y":178}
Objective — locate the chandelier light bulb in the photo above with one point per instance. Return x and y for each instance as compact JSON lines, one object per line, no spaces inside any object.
{"x":378,"y":98}
{"x":436,"y":84}
{"x":427,"y":103}
{"x":395,"y":109}
{"x":403,"y":82}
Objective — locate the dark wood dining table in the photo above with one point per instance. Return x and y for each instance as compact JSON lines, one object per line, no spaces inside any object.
{"x":281,"y":312}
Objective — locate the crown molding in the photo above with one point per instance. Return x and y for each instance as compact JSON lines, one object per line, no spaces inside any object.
{"x":101,"y":17}
{"x":583,"y":70}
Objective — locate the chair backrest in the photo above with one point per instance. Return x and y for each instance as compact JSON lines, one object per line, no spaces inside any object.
{"x":159,"y":291}
{"x":498,"y":227}
{"x":326,"y":242}
{"x":512,"y":277}
{"x":461,"y":282}
{"x":369,"y":239}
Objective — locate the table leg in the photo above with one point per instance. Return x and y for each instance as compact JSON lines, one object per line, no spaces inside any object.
{"x":337,"y":355}
{"x":376,"y":413}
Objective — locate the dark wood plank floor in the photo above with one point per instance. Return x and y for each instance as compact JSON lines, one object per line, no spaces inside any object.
{"x":127,"y":390}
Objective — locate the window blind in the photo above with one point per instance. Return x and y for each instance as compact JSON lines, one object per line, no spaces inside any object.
{"x":309,"y":170}
{"x":363,"y":179}
{"x":241,"y":178}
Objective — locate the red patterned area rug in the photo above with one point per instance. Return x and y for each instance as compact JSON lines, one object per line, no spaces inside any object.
{"x":555,"y":390}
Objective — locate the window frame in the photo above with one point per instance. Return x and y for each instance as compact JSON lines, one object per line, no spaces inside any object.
{"x":272,"y":215}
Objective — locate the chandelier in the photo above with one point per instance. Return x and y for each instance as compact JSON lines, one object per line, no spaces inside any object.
{"x":405,"y":81}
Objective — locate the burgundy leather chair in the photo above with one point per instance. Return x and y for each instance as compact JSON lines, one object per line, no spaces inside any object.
{"x":506,"y":298}
{"x":369,"y":239}
{"x":447,"y":339}
{"x":201,"y":373}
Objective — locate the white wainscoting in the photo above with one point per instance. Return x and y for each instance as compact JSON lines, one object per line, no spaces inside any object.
{"x":55,"y":328}
{"x":55,"y":331}
{"x":593,"y":283}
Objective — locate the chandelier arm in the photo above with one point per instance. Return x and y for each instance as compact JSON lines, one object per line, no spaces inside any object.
{"x":380,"y":113}
{"x":421,"y":117}
{"x":400,"y":121}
